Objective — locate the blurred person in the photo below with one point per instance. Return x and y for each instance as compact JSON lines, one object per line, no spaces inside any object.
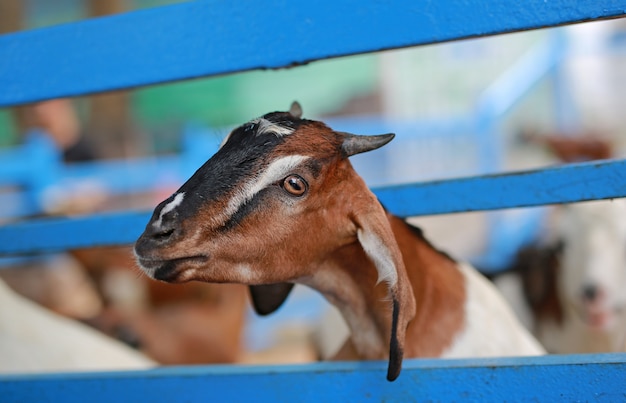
{"x":58,"y":119}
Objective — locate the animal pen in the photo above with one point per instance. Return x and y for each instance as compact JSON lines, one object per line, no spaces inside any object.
{"x":206,"y":38}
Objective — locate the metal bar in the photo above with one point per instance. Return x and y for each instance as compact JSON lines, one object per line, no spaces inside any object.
{"x":597,"y":378}
{"x":205,"y":38}
{"x":571,"y":183}
{"x":59,"y":234}
{"x":563,"y":184}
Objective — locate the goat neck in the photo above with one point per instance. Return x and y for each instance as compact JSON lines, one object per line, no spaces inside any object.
{"x":349,"y":280}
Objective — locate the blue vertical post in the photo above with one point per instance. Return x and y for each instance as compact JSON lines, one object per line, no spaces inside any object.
{"x":47,"y":163}
{"x":507,"y":91}
{"x":566,"y":118}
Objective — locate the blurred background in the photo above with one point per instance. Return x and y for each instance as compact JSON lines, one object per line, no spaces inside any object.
{"x":509,"y":102}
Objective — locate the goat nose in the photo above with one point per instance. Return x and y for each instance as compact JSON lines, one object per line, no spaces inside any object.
{"x":157,"y":233}
{"x":153,"y":238}
{"x":162,"y":225}
{"x":590,"y":292}
{"x":161,"y":233}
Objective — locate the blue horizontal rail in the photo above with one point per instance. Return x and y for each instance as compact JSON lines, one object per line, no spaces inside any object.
{"x":570,"y":183}
{"x":34,"y":168}
{"x":205,"y":38}
{"x":555,"y":185}
{"x":598,"y":378}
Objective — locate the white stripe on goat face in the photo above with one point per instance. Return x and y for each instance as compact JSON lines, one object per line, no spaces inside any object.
{"x":276,"y":170}
{"x":178,"y":199}
{"x":265,"y":126}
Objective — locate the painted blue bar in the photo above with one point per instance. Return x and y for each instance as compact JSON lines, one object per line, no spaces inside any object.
{"x":563,"y":184}
{"x":513,"y":86}
{"x":126,"y":176}
{"x":59,"y":234}
{"x":571,"y":183}
{"x":598,"y":378}
{"x":211,"y":37}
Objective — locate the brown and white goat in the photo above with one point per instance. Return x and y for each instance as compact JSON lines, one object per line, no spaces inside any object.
{"x":280,"y":203}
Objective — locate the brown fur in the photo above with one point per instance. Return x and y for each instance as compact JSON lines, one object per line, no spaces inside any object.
{"x":437,"y":284}
{"x":439,"y":291}
{"x":574,"y":148}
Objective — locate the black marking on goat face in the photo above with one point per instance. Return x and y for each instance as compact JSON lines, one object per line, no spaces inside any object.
{"x":242,"y":156}
{"x":244,"y":210}
{"x":232,"y":184}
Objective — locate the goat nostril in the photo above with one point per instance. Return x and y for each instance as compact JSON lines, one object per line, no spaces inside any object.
{"x":163,"y":235}
{"x":590,"y":292}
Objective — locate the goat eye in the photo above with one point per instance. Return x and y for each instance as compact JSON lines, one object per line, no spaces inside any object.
{"x":295,"y":185}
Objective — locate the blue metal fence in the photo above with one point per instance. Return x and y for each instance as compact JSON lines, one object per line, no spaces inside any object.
{"x":204,"y":38}
{"x":547,"y":379}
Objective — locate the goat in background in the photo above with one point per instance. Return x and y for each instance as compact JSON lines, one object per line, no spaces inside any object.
{"x":280,"y":203}
{"x":574,"y":277}
{"x":574,"y":281}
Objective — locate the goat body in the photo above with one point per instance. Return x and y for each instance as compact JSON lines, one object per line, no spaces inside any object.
{"x":33,"y":339}
{"x":281,"y":203}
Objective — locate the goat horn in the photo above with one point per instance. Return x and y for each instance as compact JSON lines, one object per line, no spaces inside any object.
{"x":295,"y":110}
{"x":355,"y":144}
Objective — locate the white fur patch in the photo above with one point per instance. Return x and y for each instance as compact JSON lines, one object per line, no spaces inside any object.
{"x":379,"y":253}
{"x":169,"y":207}
{"x":491,"y":328}
{"x":246,"y":274}
{"x":275,"y":171}
{"x":265,"y":126}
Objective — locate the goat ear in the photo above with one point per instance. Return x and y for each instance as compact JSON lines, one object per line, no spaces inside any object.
{"x":355,"y":144}
{"x":295,"y":110}
{"x":378,"y":241}
{"x":267,"y":298}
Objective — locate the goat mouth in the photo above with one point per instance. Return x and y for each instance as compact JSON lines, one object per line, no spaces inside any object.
{"x":170,"y":270}
{"x":600,"y":319}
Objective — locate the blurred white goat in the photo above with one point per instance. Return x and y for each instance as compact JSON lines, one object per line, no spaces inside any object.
{"x":33,"y":339}
{"x":591,"y":280}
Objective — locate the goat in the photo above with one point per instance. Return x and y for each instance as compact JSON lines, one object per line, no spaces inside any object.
{"x":280,"y":203}
{"x":574,"y":277}
{"x":588,"y":309}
